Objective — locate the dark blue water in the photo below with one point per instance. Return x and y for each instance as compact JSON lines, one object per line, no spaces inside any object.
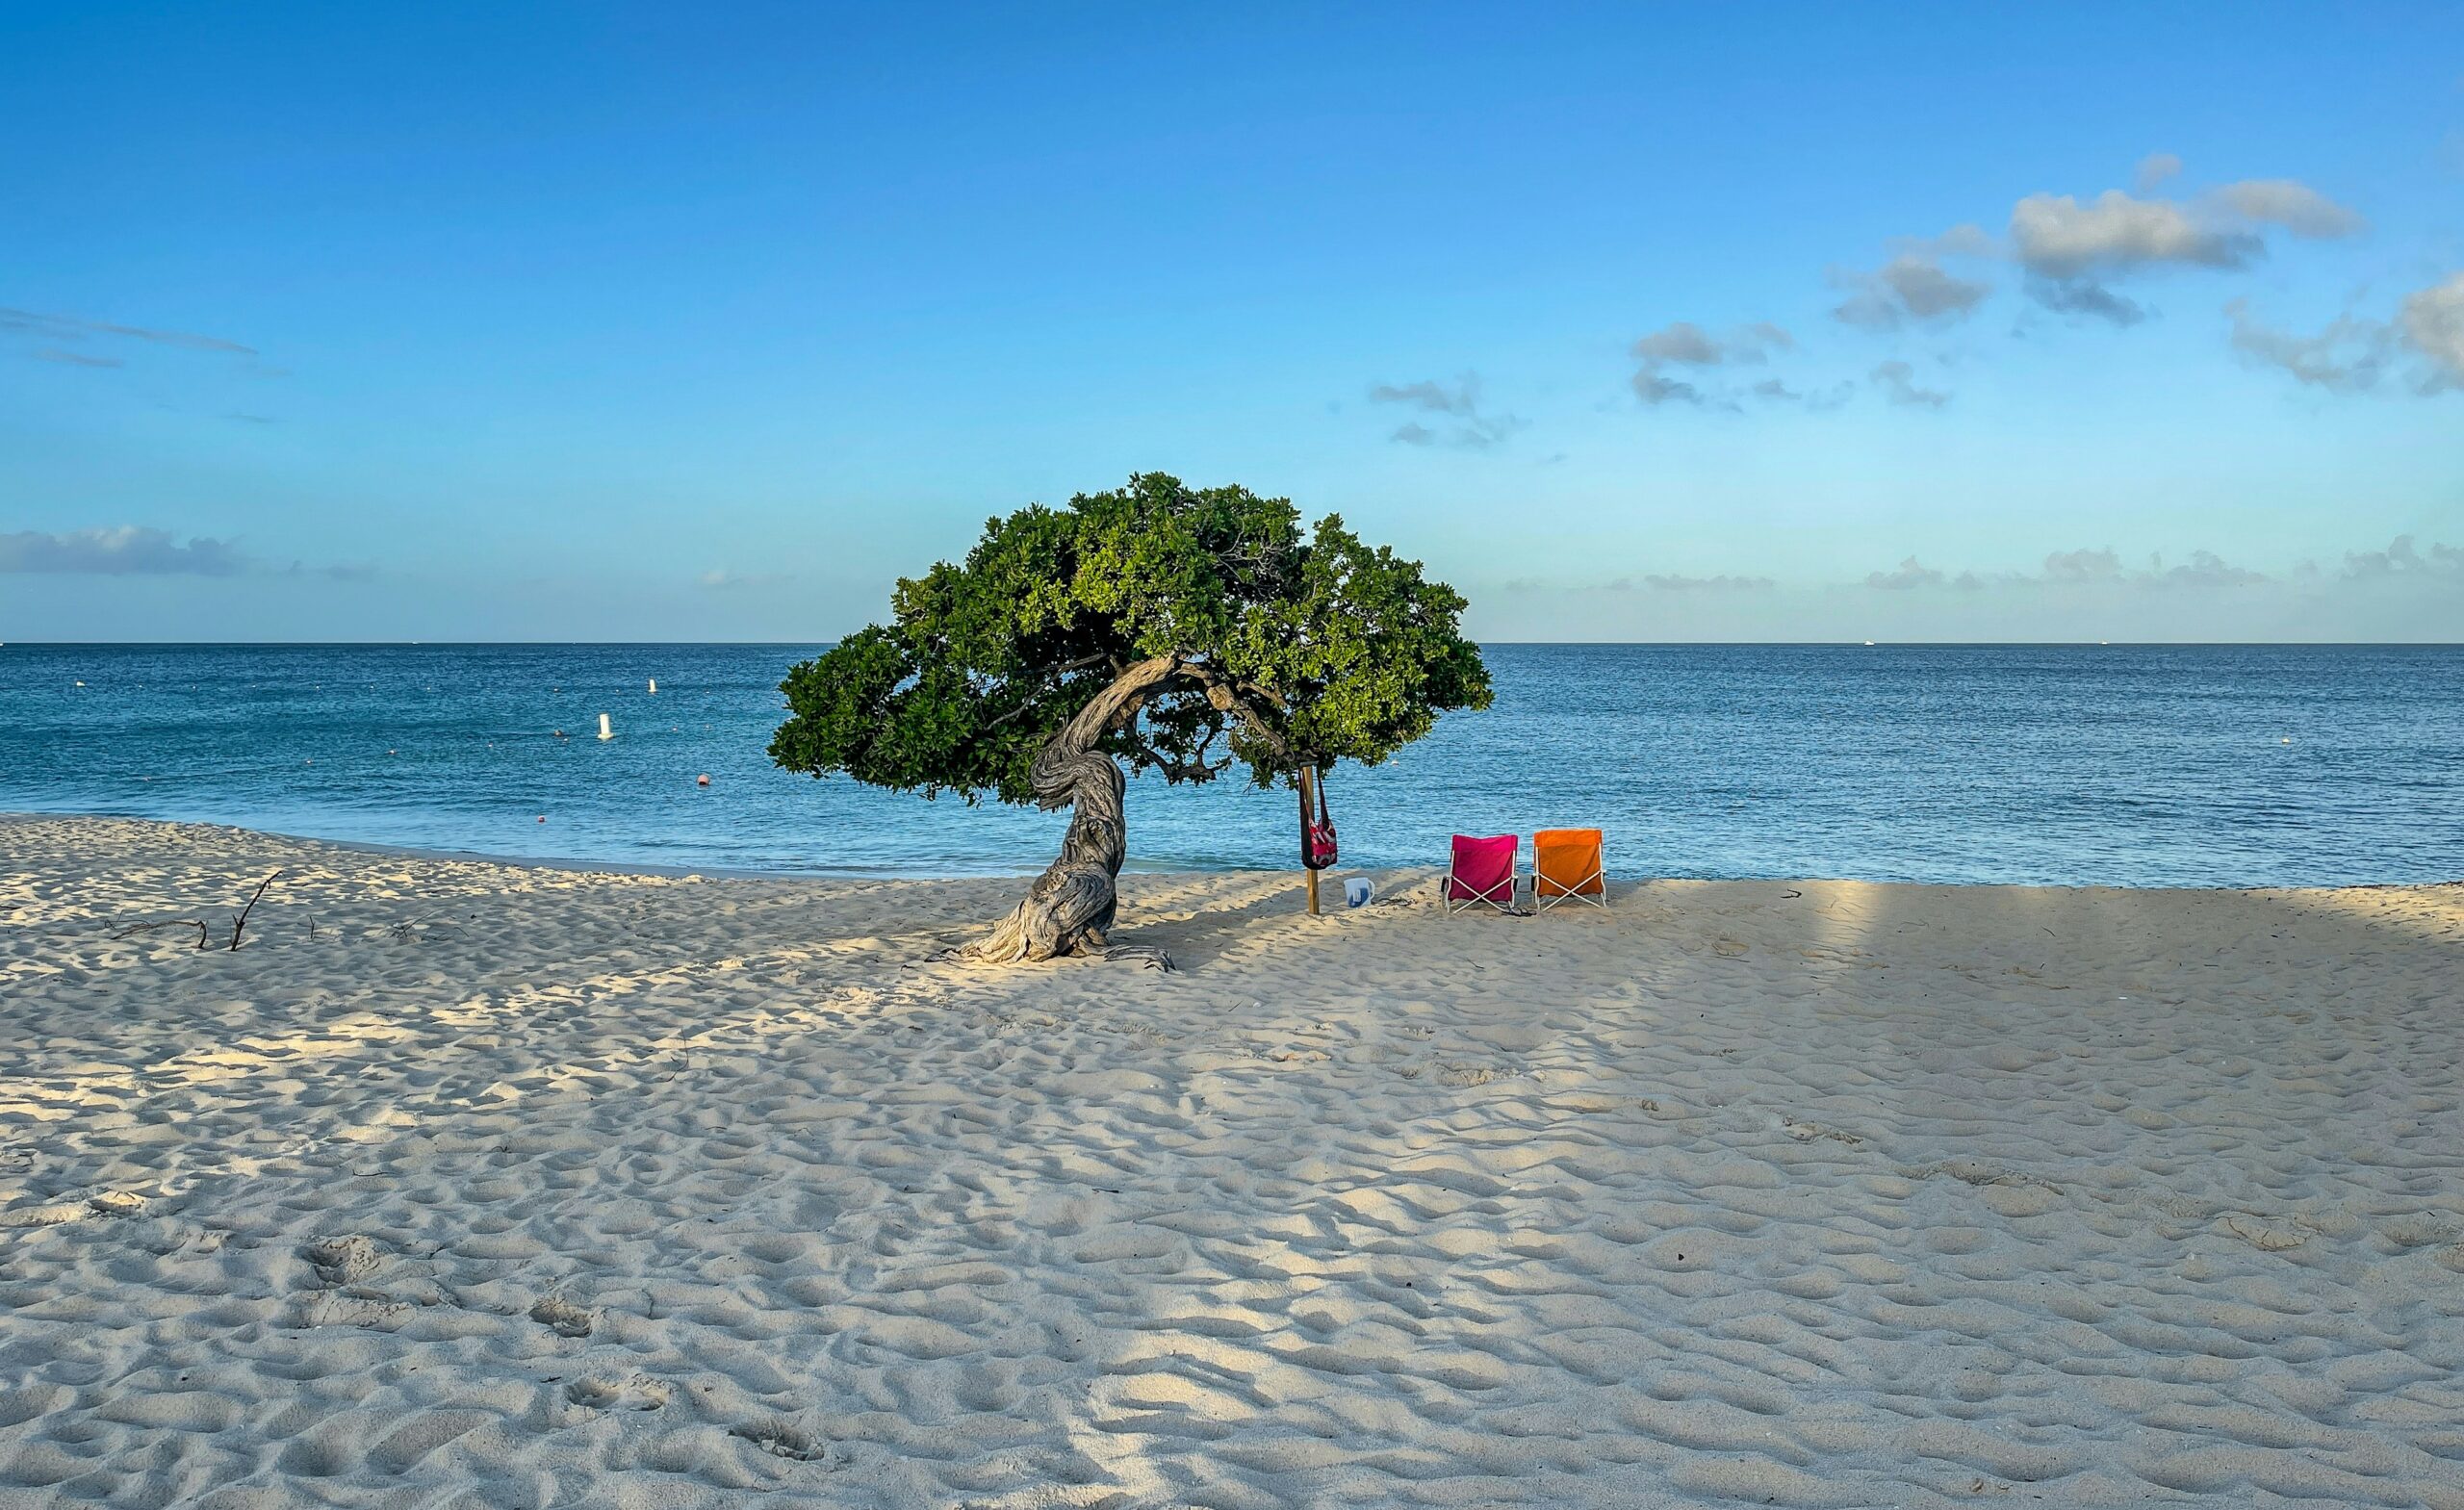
{"x":2131,"y":765}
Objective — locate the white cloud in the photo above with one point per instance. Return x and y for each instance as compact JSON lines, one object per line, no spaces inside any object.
{"x":2057,"y":237}
{"x":1913,"y":286}
{"x":2431,"y":323}
{"x":2070,"y":249}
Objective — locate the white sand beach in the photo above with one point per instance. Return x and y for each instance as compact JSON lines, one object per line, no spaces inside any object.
{"x":478,"y":1185}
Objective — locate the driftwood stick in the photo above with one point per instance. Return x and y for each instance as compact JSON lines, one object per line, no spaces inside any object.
{"x":135,"y":929}
{"x":242,"y":921}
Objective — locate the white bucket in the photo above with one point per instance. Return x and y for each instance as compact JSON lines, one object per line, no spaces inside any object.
{"x":1357,"y":890}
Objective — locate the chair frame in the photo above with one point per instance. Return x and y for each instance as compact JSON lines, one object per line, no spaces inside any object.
{"x":1542,"y":902}
{"x":1451,"y":904}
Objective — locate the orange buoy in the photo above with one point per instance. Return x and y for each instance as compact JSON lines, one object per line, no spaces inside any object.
{"x":704,"y":780}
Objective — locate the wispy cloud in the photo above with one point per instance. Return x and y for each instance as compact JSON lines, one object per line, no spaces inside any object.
{"x":76,"y":358}
{"x":1724,"y":583}
{"x":1897,"y":381}
{"x":1467,"y":426}
{"x":2345,"y":357}
{"x":2205,"y":569}
{"x":144,"y":551}
{"x":1909,"y":574}
{"x":1664,"y":582}
{"x":129,"y":550}
{"x":1772,"y":390}
{"x":2088,"y":567}
{"x":2403,"y":558}
{"x":69,"y":327}
{"x":338,"y":572}
{"x":2083,"y":566}
{"x":2423,"y":344}
{"x":2154,"y":169}
{"x":1682,"y":343}
{"x":720,"y":579}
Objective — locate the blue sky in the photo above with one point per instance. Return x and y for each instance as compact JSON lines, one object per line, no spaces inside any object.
{"x":606,"y":321}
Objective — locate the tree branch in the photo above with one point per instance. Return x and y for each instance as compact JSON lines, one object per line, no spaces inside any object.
{"x":1081,"y":663}
{"x":1240,"y":698}
{"x":242,"y":921}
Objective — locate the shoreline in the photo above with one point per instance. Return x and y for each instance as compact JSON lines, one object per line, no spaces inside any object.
{"x":462,"y":1181}
{"x":11,"y":816}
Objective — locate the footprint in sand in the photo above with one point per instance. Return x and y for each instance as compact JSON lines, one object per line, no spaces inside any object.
{"x":782,"y":1439}
{"x":640,"y":1391}
{"x":341,"y":1260}
{"x":563,"y":1317}
{"x":52,"y":1214}
{"x":1463,"y":1075}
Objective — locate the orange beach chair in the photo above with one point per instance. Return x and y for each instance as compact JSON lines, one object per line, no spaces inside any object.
{"x":1566,"y":866}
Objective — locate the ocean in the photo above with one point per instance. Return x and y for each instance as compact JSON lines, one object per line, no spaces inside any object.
{"x":2066,"y":765}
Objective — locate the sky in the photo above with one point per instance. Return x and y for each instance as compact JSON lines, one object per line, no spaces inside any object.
{"x":663,"y":322}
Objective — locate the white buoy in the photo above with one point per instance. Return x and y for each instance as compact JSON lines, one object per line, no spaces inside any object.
{"x":604,"y":732}
{"x":654,"y":687}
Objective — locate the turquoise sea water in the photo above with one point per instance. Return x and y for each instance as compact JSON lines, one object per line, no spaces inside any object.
{"x":2224,"y":765}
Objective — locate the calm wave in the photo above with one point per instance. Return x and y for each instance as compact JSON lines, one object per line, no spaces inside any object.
{"x":2209,"y":765}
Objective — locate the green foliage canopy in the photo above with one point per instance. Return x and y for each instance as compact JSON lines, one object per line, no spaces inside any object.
{"x":1295,"y":649}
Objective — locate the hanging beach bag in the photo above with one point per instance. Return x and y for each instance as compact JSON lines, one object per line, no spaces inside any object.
{"x":1317,"y":829}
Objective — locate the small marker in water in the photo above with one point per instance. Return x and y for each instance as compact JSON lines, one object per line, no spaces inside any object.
{"x":604,"y":732}
{"x":704,"y":780}
{"x":654,"y":687}
{"x":543,"y":817}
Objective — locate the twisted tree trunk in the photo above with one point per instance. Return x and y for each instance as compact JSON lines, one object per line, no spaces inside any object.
{"x":1072,"y":903}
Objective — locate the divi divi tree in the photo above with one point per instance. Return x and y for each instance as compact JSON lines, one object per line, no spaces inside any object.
{"x":1182,"y":631}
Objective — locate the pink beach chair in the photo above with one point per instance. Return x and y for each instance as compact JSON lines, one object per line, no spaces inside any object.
{"x":1482,"y":870}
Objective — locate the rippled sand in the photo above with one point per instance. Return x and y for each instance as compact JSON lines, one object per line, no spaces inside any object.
{"x":462,"y":1184}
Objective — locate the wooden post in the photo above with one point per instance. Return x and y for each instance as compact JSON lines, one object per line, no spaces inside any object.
{"x":1308,"y":781}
